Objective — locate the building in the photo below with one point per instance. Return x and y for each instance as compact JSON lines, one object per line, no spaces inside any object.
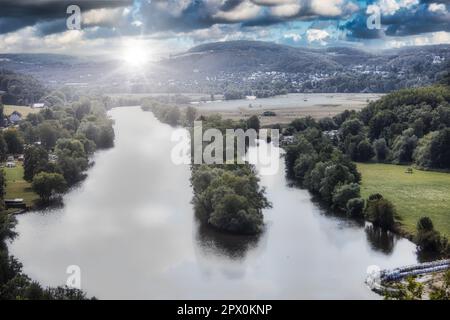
{"x":11,"y":164}
{"x":38,"y":105}
{"x":15,"y":117}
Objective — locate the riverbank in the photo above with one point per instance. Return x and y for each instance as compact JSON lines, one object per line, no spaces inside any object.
{"x":18,"y":188}
{"x":417,"y":194}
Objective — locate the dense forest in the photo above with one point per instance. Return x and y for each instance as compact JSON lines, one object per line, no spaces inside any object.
{"x":20,"y":89}
{"x":410,"y":126}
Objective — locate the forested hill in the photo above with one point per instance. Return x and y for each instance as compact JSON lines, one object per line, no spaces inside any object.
{"x":20,"y":89}
{"x":266,"y":56}
{"x":339,"y":69}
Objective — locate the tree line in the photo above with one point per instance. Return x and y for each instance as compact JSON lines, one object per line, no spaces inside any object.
{"x":20,"y":89}
{"x":410,"y":126}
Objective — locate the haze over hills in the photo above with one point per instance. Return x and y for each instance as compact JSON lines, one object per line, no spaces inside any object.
{"x":265,"y":56}
{"x":247,"y":67}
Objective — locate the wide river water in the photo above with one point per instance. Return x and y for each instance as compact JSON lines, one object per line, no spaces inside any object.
{"x":131,"y":229}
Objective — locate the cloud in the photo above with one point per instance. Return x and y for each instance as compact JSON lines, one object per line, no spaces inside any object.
{"x":192,"y":21}
{"x":105,"y":16}
{"x":286,"y":10}
{"x":437,"y":8}
{"x":246,"y":10}
{"x":293,"y":36}
{"x":17,"y":14}
{"x":317,"y":35}
{"x":333,"y":8}
{"x":401,"y":18}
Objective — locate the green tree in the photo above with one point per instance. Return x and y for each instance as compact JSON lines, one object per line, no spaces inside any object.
{"x":427,"y":238}
{"x":47,"y":185}
{"x":3,"y":147}
{"x":14,"y":141}
{"x":381,"y":212}
{"x":381,"y":149}
{"x":35,"y":160}
{"x":404,"y":146}
{"x":2,"y":190}
{"x":365,"y":151}
{"x":2,"y":114}
{"x":173,"y":116}
{"x":191,"y":115}
{"x":48,"y":134}
{"x":352,"y":126}
{"x":355,"y":208}
{"x":253,"y":122}
{"x":344,"y":193}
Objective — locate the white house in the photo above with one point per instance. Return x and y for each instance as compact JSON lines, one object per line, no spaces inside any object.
{"x":38,"y":105}
{"x":15,"y":117}
{"x":10,"y":164}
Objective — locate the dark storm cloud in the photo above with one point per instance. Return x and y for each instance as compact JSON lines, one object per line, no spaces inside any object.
{"x":404,"y":22}
{"x":17,"y":14}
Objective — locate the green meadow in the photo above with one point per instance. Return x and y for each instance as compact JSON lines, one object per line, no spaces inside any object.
{"x":417,"y":194}
{"x":17,"y":187}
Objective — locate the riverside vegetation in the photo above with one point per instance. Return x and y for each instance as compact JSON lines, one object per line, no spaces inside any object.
{"x":226,"y":197}
{"x":410,"y":126}
{"x":56,"y":143}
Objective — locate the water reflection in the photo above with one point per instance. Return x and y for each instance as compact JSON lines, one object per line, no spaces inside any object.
{"x":380,"y":240}
{"x":214,"y":242}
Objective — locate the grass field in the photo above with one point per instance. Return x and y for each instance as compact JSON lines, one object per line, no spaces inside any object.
{"x":16,"y":187}
{"x":415,"y":195}
{"x":23,"y":110}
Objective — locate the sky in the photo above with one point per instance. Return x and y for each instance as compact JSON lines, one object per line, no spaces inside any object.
{"x":165,"y":27}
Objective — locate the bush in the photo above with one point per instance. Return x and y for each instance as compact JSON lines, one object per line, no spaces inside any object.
{"x":344,"y":193}
{"x":355,"y":208}
{"x":427,"y":238}
{"x":381,"y":212}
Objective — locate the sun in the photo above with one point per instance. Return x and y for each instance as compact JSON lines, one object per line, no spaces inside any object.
{"x":135,"y":54}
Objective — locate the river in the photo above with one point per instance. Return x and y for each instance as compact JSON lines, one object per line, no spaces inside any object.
{"x":130,"y":228}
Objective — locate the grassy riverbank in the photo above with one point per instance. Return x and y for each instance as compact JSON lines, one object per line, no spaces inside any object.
{"x":17,"y":187}
{"x":422,"y":193}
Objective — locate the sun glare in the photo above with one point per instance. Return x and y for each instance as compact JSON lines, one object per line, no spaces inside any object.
{"x":135,"y":55}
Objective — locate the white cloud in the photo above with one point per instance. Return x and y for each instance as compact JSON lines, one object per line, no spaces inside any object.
{"x":273,"y":2}
{"x":104,"y":16}
{"x":285,"y":10}
{"x":333,"y":8}
{"x":244,"y":11}
{"x":175,"y":8}
{"x":317,"y":35}
{"x":440,"y":37}
{"x":437,"y":8}
{"x":390,"y":7}
{"x":293,"y":36}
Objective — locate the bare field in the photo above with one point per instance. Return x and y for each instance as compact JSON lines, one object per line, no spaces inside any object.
{"x":283,"y":115}
{"x":289,"y":107}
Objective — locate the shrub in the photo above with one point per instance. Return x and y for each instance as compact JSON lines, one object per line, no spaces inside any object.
{"x":355,"y":207}
{"x":381,"y":212}
{"x":427,"y":238}
{"x":344,"y":193}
